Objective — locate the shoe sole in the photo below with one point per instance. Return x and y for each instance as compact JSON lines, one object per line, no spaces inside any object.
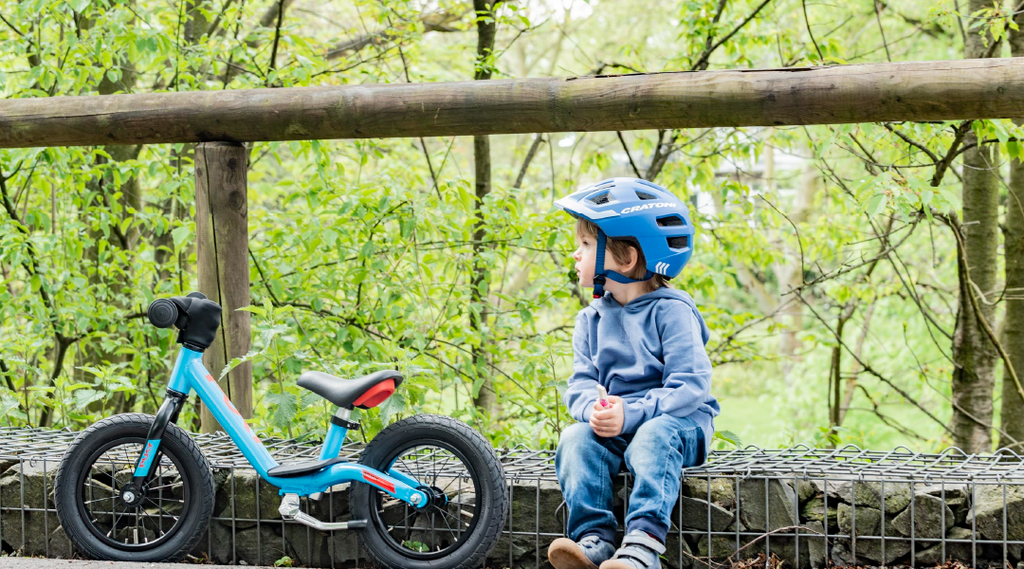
{"x":563,"y":553}
{"x":616,"y":564}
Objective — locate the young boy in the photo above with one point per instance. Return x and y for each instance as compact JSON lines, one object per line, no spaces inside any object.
{"x":644,"y":343}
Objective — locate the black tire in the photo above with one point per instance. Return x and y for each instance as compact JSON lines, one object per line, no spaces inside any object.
{"x":81,"y":472}
{"x":482,"y":469}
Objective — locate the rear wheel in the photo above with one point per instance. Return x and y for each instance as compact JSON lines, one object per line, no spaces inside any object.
{"x":458,"y":469}
{"x":107,"y":517}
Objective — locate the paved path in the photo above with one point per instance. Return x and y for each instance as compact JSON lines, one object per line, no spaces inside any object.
{"x":39,"y":563}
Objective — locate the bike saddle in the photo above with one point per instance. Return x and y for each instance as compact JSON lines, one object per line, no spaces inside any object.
{"x":363,"y":392}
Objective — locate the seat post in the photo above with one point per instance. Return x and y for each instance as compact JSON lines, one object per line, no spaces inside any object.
{"x":336,"y":432}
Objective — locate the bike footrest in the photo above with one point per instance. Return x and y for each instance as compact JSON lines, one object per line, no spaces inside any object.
{"x":302,"y":468}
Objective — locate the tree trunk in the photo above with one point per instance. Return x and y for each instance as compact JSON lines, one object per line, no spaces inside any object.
{"x":1012,"y":410}
{"x":222,"y":254}
{"x":974,"y":356}
{"x":484,"y":396}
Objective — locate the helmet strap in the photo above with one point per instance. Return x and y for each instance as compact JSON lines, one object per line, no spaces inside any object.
{"x":601,"y":275}
{"x":599,"y":272}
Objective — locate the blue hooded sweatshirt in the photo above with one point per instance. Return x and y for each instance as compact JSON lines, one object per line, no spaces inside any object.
{"x":650,"y":353}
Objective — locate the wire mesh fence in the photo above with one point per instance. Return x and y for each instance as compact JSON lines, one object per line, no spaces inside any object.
{"x":808,"y":507}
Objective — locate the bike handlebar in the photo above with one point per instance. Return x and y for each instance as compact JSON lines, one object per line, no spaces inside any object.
{"x":195,"y":317}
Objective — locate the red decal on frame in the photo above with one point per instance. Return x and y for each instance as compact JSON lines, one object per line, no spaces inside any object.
{"x":378,"y":482}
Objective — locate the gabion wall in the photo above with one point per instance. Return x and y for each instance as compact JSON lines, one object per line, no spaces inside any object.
{"x":809,"y":507}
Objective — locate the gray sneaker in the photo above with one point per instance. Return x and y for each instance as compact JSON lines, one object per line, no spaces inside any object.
{"x":638,"y":551}
{"x":588,"y":553}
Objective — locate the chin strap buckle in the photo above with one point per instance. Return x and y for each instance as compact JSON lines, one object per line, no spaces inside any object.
{"x":599,"y":282}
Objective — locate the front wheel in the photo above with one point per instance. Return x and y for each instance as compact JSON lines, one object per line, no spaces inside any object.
{"x":460,"y":472}
{"x":105,"y":517}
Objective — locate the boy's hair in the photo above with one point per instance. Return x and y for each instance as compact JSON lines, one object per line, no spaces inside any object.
{"x":619,"y":249}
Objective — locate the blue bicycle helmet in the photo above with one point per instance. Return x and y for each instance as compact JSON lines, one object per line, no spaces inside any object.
{"x":639,"y":211}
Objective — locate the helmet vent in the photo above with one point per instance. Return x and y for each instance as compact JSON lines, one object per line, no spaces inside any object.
{"x":670,"y":221}
{"x":598,"y":199}
{"x":645,"y":196}
{"x":678,"y":242}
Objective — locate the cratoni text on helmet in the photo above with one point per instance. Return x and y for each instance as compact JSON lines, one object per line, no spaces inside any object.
{"x":646,"y":206}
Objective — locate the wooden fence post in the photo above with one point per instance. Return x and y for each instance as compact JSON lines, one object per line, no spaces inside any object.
{"x":222,"y":256}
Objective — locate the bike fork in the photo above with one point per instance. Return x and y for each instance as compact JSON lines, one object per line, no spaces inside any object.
{"x":168,"y":413}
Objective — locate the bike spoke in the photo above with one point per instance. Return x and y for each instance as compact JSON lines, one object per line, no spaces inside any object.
{"x":145,"y":524}
{"x":437,"y":528}
{"x":163,"y":511}
{"x":161,"y":487}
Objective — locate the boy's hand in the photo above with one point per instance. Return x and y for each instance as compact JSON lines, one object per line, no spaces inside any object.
{"x":607,"y":421}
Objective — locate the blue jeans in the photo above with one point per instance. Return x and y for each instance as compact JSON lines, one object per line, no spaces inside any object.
{"x":655,"y":455}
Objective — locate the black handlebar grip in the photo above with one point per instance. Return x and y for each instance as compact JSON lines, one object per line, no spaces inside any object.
{"x":162,"y":313}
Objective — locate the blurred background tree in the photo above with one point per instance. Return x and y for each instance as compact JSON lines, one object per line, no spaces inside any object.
{"x":842,"y":269}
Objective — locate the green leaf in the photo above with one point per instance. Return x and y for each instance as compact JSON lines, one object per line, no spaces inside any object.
{"x":284,"y":407}
{"x":180,"y":234}
{"x":875,"y":205}
{"x":729,"y":437}
{"x":79,"y":5}
{"x":392,"y":405}
{"x":86,"y":396}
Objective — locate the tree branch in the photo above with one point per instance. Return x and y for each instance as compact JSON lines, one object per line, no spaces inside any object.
{"x":628,"y":155}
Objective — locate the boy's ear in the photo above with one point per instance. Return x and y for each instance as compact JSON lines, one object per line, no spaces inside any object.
{"x":634,"y":256}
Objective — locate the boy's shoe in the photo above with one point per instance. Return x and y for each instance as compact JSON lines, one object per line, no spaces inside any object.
{"x":638,"y":551}
{"x":588,"y":553}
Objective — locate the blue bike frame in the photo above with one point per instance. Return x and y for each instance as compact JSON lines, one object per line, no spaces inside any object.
{"x":190,"y":374}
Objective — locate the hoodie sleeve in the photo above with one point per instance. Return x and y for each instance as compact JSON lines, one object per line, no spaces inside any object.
{"x":582,"y":392}
{"x":686,"y":382}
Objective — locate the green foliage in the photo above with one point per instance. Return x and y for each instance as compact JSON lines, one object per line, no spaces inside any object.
{"x":361,"y":261}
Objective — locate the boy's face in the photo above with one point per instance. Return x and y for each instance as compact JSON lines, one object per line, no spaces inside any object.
{"x":585,"y":256}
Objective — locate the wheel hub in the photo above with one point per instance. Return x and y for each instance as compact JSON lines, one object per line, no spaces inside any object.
{"x":437,"y":497}
{"x":132,"y":495}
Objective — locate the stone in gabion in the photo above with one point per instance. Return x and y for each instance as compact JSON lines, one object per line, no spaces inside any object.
{"x":933,"y":555}
{"x":928,"y":518}
{"x":60,"y":545}
{"x":344,"y":549}
{"x":868,"y":521}
{"x":309,"y":546}
{"x":525,"y":552}
{"x":897,"y":494}
{"x":677,"y":552}
{"x":806,"y":490}
{"x":814,"y":510}
{"x":333,"y":504}
{"x":780,"y":506}
{"x":39,"y":527}
{"x":534,"y":504}
{"x":868,"y":551}
{"x":956,"y":496}
{"x":810,"y":543}
{"x":262,"y":545}
{"x":694,"y":515}
{"x":38,"y":477}
{"x":723,"y":491}
{"x":244,"y":483}
{"x":988,"y":511}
